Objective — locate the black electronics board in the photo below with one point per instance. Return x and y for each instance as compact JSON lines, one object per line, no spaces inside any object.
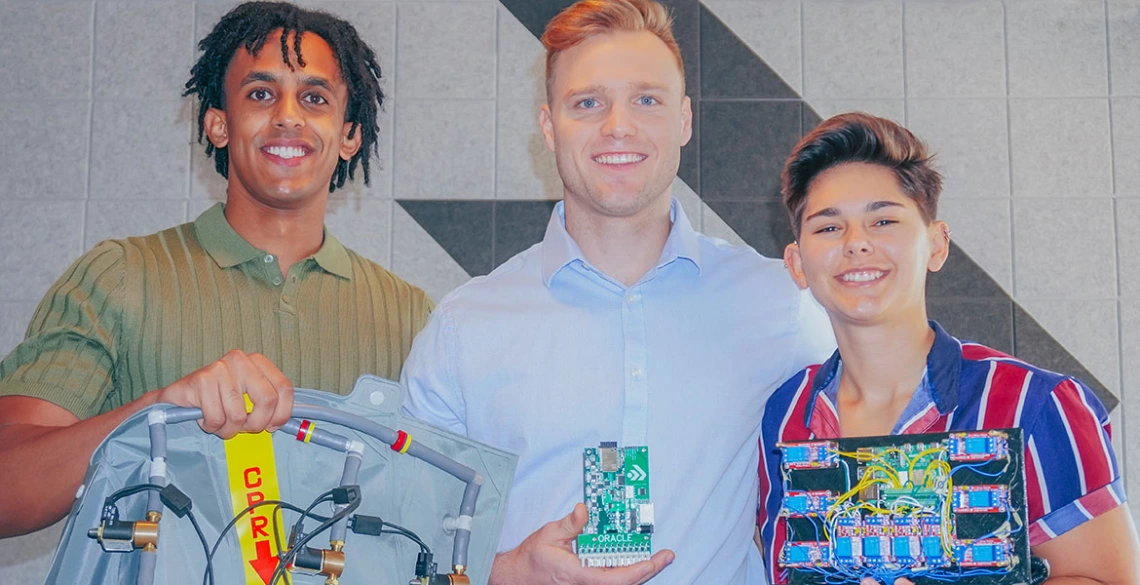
{"x":933,"y":508}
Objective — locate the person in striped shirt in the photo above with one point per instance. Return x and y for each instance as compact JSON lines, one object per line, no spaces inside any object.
{"x":251,"y":298}
{"x":862,"y":195}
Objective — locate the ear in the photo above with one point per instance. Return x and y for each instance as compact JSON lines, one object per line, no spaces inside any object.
{"x":939,"y":234}
{"x":546,"y":122}
{"x":214,"y":123}
{"x":686,"y":120}
{"x":349,"y":146}
{"x":794,"y":263}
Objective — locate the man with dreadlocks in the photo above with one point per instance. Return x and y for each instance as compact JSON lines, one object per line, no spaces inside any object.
{"x":252,"y":297}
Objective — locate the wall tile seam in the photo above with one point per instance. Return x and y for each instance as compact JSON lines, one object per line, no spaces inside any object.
{"x":407,"y":99}
{"x":90,"y":131}
{"x":1023,"y":299}
{"x":972,"y":299}
{"x":1069,"y":197}
{"x":898,"y":98}
{"x":394,"y":105}
{"x":1048,"y":198}
{"x":495,"y":127}
{"x":192,"y":126}
{"x":902,"y":53}
{"x":1061,"y":98}
{"x":49,"y":100}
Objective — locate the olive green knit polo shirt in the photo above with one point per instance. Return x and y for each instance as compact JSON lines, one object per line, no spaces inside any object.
{"x":135,"y":315}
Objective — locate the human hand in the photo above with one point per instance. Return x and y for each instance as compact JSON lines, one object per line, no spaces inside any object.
{"x":217,"y":389}
{"x":547,"y":557}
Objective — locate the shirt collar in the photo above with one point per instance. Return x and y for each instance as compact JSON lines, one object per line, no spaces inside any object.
{"x":333,"y":257}
{"x":943,"y":367}
{"x":559,"y":249}
{"x":228,"y":248}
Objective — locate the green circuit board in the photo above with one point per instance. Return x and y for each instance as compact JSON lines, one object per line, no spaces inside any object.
{"x":616,"y":493}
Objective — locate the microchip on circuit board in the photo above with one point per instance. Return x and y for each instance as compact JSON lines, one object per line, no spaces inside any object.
{"x":616,"y":488}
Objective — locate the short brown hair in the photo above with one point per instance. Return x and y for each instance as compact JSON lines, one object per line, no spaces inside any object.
{"x":861,"y":138}
{"x":589,"y":18}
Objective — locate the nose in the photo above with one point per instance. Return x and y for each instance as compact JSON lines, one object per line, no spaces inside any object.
{"x":619,"y":123}
{"x":858,"y":242}
{"x":288,"y":114}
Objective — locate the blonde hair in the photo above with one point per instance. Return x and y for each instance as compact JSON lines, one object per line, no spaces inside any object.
{"x":589,"y":18}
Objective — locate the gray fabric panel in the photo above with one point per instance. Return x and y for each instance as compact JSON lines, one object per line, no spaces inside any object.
{"x":395,"y":487}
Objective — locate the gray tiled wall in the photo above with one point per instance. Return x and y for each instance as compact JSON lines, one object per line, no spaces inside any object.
{"x":1034,"y":106}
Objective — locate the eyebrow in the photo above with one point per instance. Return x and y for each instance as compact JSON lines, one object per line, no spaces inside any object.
{"x":647,"y":86}
{"x":825,"y":212}
{"x":584,"y":91}
{"x":256,"y":76}
{"x":871,"y":208}
{"x":877,"y":205}
{"x":265,"y":76}
{"x":637,"y":86}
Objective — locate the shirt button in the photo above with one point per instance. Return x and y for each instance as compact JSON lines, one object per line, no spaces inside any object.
{"x":636,"y":373}
{"x":277,"y":281}
{"x":269,"y":258}
{"x":293,"y":278}
{"x":633,"y":298}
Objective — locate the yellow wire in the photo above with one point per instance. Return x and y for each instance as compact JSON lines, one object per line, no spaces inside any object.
{"x":868,"y":479}
{"x":862,"y":455}
{"x":937,"y":464}
{"x":922,"y":454}
{"x":890,"y":473}
{"x":946,"y":517}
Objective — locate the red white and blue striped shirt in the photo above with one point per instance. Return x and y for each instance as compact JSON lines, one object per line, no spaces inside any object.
{"x":1070,"y":467}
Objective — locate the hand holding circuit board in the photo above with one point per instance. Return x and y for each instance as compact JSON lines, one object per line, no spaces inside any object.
{"x":606,"y":541}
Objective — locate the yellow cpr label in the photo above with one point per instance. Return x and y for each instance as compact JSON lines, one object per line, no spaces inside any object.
{"x":253,"y":478}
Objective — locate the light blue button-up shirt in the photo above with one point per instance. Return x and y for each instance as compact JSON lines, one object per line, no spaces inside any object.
{"x":547,"y":355}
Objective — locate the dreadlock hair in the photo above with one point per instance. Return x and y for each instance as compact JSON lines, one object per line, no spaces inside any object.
{"x":249,"y":25}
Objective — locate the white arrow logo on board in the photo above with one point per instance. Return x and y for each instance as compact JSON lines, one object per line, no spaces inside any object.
{"x":636,"y":474}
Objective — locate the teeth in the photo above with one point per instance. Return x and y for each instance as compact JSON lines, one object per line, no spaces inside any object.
{"x":862,"y":276}
{"x":286,"y":152}
{"x":619,"y":159}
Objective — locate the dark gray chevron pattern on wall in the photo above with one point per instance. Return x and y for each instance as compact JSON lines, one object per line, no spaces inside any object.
{"x":746,"y":119}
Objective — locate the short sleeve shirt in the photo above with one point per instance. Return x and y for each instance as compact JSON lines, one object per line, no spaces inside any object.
{"x":1070,"y":467}
{"x":137,"y":314}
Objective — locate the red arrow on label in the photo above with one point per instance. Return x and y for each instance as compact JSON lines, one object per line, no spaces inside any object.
{"x":265,"y":563}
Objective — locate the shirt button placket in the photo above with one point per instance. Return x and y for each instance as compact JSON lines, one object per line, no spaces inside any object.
{"x":289,"y":292}
{"x":635,"y":420}
{"x":272,"y":270}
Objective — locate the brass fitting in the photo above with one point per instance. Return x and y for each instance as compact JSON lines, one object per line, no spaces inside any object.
{"x":441,"y":579}
{"x":458,"y":576}
{"x":151,"y":542}
{"x":116,"y":536}
{"x":146,"y":536}
{"x":332,"y":563}
{"x":322,"y":562}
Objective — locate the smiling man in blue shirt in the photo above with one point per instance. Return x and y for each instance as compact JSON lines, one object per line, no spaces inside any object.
{"x":624,"y":324}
